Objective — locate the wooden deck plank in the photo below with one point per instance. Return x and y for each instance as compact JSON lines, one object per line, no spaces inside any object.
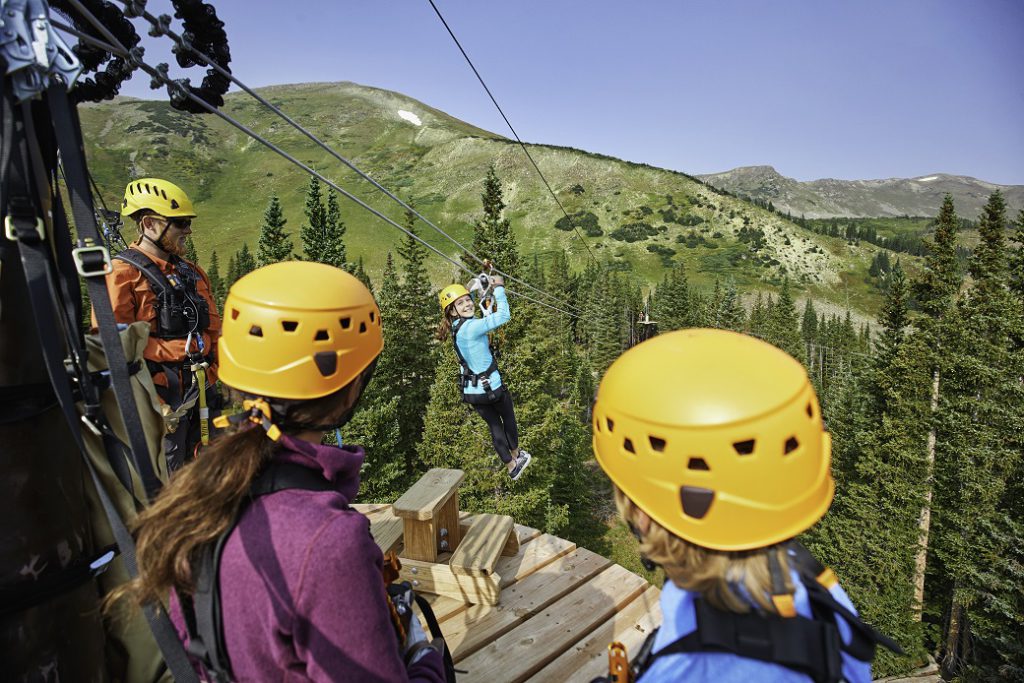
{"x":482,"y":545}
{"x":386,"y":530}
{"x":588,"y":658}
{"x":534,"y":644}
{"x":477,"y":625}
{"x":511,"y":569}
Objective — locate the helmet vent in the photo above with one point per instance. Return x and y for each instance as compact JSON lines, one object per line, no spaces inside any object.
{"x":810,"y":411}
{"x":321,"y":335}
{"x":628,"y":445}
{"x":744,"y":447}
{"x":326,"y":362}
{"x":657,"y":444}
{"x":698,"y":465}
{"x":234,"y":314}
{"x":597,"y":423}
{"x":696,"y":501}
{"x":289,"y":325}
{"x":362,"y":328}
{"x":372,"y":316}
{"x":611,"y":424}
{"x":345,"y":323}
{"x":791,"y":445}
{"x":256,"y":331}
{"x":163,"y":194}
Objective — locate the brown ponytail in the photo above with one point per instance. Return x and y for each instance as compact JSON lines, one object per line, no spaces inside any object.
{"x":202,"y":500}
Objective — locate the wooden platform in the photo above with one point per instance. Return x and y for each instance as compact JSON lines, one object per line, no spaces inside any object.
{"x":559,"y":608}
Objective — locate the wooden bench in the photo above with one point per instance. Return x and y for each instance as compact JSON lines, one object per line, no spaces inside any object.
{"x":441,"y":554}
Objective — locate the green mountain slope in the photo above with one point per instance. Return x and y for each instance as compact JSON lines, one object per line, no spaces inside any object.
{"x":639,"y":218}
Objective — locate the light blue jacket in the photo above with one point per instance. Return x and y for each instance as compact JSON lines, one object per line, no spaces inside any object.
{"x":679,"y":619}
{"x":474,"y":345}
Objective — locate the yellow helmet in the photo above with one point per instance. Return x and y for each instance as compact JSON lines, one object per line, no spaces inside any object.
{"x":717,"y":436}
{"x":298,"y":330}
{"x":450,"y":294}
{"x":160,"y":196}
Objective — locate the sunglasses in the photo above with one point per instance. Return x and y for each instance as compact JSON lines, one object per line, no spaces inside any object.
{"x":179,"y":223}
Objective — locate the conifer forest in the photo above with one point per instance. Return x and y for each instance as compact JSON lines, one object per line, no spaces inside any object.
{"x":925,"y":406}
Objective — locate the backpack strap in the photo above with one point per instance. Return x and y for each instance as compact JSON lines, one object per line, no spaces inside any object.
{"x":805,"y":645}
{"x":149,"y":269}
{"x":204,"y":618}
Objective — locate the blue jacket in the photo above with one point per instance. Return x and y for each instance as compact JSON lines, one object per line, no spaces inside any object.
{"x":474,"y":345}
{"x":678,"y":619}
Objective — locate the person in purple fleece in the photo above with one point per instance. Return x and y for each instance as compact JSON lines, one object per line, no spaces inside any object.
{"x":300,"y":579}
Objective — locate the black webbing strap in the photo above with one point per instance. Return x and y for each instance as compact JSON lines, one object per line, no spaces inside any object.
{"x":23,"y":401}
{"x":203,"y":612}
{"x":35,"y":256}
{"x":149,"y":269}
{"x":435,"y":630}
{"x":805,"y":645}
{"x":68,"y":135}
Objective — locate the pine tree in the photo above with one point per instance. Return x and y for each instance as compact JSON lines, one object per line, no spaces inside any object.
{"x":782,"y":328}
{"x":936,"y":294}
{"x":362,"y":275}
{"x":731,"y":315}
{"x":984,"y":397}
{"x":244,"y":262}
{"x":334,"y":235}
{"x":492,"y":233}
{"x":217,"y":285}
{"x":274,"y":244}
{"x":1017,"y":258}
{"x":232,"y":276}
{"x":190,"y":250}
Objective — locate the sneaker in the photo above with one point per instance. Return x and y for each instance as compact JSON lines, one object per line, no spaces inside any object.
{"x":522,"y":462}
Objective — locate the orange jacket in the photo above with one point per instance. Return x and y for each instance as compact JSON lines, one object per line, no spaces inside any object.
{"x":132,"y":299}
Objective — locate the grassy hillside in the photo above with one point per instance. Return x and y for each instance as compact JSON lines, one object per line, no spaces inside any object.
{"x":637,"y":217}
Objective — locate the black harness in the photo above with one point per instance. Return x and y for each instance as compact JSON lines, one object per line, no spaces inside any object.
{"x":180,"y":310}
{"x":179,"y":307}
{"x":812,"y":647}
{"x":470,"y":378}
{"x":204,"y":619}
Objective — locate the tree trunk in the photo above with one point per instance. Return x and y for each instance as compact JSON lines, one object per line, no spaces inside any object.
{"x":925,"y":520}
{"x":956,"y":637}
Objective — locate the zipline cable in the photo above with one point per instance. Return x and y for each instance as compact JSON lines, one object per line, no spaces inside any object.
{"x":162,"y":77}
{"x":213,"y":110}
{"x":162,"y":28}
{"x":509,"y":124}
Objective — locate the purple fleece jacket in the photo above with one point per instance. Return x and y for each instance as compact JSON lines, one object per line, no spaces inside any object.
{"x":301,"y":586}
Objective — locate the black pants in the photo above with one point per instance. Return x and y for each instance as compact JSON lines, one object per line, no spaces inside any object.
{"x":500,"y":417}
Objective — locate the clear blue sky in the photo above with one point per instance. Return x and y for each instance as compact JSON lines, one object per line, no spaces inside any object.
{"x":817,"y":88}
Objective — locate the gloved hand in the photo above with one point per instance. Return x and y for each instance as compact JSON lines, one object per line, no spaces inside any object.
{"x":416,"y":644}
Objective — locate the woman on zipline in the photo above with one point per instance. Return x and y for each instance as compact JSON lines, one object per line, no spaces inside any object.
{"x":481,"y":382}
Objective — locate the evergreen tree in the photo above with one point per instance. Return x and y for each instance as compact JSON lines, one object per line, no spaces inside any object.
{"x":323,"y":232}
{"x":232,"y":273}
{"x":782,"y":328}
{"x":731,"y":315}
{"x":190,"y":250}
{"x":218,"y":287}
{"x":1017,"y":258}
{"x":274,"y":244}
{"x":984,"y":396}
{"x":492,"y":233}
{"x":362,"y":275}
{"x":244,"y":262}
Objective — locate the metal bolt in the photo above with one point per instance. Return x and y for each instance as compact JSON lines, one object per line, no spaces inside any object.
{"x":444,"y":545}
{"x":415,"y":582}
{"x":415,"y":570}
{"x":444,"y":532}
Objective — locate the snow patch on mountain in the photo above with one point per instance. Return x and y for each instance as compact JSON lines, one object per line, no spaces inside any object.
{"x":410,"y":117}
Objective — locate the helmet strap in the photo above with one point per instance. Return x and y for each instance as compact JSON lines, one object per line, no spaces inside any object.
{"x":159,"y":241}
{"x":782,"y":595}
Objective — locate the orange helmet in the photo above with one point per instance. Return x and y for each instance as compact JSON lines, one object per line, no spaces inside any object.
{"x":717,"y":436}
{"x":298,"y":330}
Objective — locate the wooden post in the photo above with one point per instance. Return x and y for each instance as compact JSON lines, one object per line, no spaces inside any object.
{"x":430,"y":514}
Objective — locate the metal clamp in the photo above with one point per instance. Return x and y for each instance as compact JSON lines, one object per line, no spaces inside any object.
{"x":77,"y":254}
{"x":12,"y":232}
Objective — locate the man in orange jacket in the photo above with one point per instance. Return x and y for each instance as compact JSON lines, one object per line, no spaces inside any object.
{"x":152,"y":282}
